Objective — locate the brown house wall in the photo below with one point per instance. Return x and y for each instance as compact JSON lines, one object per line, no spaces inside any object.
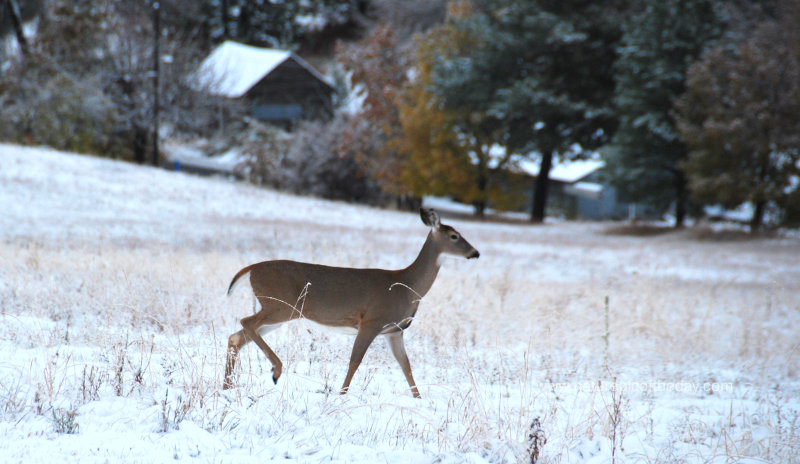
{"x":291,"y":83}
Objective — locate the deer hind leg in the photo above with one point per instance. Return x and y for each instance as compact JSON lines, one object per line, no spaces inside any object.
{"x":269,"y":316}
{"x":235,"y":344}
{"x":399,"y":352}
{"x":363,"y":340}
{"x":263,"y":322}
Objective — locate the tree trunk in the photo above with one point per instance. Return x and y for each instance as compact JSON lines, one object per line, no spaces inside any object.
{"x":243,"y":31}
{"x":681,"y":199}
{"x":480,"y":208}
{"x":680,"y":214}
{"x":541,"y":187}
{"x":224,"y":13}
{"x":156,"y":78}
{"x":758,"y":217}
{"x":408,"y":202}
{"x":482,"y":183}
{"x":139,"y":144}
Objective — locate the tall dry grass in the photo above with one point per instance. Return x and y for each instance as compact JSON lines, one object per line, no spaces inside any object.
{"x":492,"y":345}
{"x":517,"y":344}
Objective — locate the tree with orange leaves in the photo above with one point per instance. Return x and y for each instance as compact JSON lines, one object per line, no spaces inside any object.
{"x":378,"y":70}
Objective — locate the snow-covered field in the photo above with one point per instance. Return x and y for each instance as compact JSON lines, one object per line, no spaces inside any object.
{"x":605,"y":347}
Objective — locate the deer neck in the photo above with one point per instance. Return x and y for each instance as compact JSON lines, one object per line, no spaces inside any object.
{"x":422,"y":272}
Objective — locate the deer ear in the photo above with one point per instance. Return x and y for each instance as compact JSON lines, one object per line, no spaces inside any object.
{"x":429,"y":217}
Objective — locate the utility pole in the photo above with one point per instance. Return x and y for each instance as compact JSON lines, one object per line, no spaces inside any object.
{"x":16,"y":21}
{"x":156,"y":70}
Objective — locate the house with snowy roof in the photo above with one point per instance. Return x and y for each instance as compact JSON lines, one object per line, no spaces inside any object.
{"x":277,"y":85}
{"x":578,"y":191}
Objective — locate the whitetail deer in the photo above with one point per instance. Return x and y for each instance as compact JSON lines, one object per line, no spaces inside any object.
{"x":371,"y":301}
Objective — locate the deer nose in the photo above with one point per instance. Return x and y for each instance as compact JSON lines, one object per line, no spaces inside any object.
{"x":474,"y":254}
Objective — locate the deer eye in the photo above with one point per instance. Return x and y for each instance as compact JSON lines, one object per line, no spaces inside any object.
{"x":454,"y":236}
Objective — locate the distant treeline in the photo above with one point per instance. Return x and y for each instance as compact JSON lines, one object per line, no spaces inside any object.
{"x":689,"y":102}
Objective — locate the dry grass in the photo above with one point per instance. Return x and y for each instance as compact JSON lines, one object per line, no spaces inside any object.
{"x":521,"y":334}
{"x":494,"y":340}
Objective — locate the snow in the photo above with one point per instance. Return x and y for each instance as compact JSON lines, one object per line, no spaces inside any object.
{"x":180,"y":155}
{"x":562,"y":170}
{"x":586,"y":189}
{"x":566,"y":171}
{"x":114,"y":322}
{"x":314,"y":22}
{"x":232,"y":69}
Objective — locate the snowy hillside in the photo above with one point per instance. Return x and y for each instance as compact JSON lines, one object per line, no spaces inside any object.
{"x":603,"y":347}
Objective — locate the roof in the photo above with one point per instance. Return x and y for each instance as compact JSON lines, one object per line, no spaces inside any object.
{"x":567,"y":172}
{"x":233,"y":68}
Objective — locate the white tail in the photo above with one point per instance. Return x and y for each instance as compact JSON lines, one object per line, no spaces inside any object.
{"x":237,"y":279}
{"x":371,"y":301}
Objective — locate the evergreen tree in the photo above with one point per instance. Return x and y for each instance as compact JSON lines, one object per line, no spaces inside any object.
{"x":658,"y":47}
{"x":269,"y":23}
{"x":538,"y":79}
{"x":740,"y":116}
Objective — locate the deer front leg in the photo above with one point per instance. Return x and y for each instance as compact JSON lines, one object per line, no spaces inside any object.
{"x":364,"y":338}
{"x":399,"y":352}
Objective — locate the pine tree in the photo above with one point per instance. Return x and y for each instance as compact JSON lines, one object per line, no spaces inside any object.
{"x":739,"y":118}
{"x":644,"y":159}
{"x":538,"y":79}
{"x":274,"y":23}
